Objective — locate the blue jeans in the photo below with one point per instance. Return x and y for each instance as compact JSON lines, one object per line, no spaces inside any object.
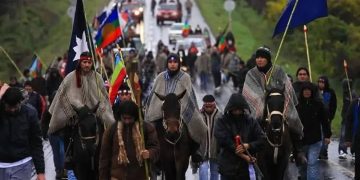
{"x":23,"y":171}
{"x":203,"y":170}
{"x":311,"y":170}
{"x":203,"y":80}
{"x":57,"y":145}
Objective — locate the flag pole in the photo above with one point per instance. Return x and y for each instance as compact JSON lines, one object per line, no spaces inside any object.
{"x":348,"y":80}
{"x":141,"y":121}
{"x":307,"y":51}
{"x":92,"y":50}
{"x":12,"y":62}
{"x":282,"y":41}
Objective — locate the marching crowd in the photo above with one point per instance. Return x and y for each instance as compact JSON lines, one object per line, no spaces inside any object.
{"x":43,"y":107}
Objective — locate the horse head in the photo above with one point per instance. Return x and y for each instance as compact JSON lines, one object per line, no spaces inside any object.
{"x":171,"y":108}
{"x":87,"y":125}
{"x":274,"y":118}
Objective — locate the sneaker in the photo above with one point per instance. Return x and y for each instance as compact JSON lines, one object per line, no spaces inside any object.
{"x":342,"y":155}
{"x":353,"y":157}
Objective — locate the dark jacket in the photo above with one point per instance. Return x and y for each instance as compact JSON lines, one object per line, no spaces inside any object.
{"x":226,"y":128}
{"x":109,"y":166}
{"x":353,"y":122}
{"x":313,"y":115}
{"x":34,"y":99}
{"x":329,"y":98}
{"x":20,"y":137}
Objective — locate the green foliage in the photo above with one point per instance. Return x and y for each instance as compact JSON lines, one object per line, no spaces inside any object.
{"x":41,"y":26}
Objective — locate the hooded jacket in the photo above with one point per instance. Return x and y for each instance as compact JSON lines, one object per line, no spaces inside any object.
{"x":313,"y":116}
{"x":226,"y":128}
{"x":20,"y":137}
{"x":329,"y":98}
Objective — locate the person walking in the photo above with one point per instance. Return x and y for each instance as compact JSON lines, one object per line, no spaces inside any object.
{"x":211,"y":114}
{"x":20,"y":138}
{"x":330,"y":102}
{"x":233,"y":160}
{"x":314,"y":118}
{"x":123,"y":150}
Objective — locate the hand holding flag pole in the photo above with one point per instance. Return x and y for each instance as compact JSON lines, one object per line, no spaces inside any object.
{"x":256,"y":167}
{"x":347,"y":78}
{"x":307,"y":51}
{"x":141,"y":121}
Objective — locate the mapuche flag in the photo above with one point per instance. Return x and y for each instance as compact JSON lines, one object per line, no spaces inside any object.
{"x":36,"y":67}
{"x":305,"y":12}
{"x":117,"y":77}
{"x":110,"y":31}
{"x":79,"y":41}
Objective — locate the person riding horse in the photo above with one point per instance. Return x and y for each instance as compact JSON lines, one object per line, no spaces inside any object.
{"x":256,"y":84}
{"x":81,"y":87}
{"x":173,"y":80}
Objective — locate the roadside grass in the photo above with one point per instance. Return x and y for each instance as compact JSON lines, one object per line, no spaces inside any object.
{"x":251,"y":30}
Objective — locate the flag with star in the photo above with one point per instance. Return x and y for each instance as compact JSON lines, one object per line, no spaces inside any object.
{"x":79,"y":41}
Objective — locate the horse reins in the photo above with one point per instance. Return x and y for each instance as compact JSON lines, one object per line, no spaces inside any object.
{"x":268,"y":118}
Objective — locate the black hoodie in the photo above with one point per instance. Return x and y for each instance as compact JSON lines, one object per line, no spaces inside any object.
{"x":313,"y":116}
{"x":226,"y":128}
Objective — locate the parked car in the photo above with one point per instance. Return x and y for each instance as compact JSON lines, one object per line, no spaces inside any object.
{"x":186,"y":42}
{"x":135,"y":8}
{"x":168,"y":12}
{"x":175,"y":32}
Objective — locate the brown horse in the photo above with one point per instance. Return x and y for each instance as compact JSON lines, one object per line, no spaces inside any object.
{"x":273,"y":160}
{"x":176,"y":145}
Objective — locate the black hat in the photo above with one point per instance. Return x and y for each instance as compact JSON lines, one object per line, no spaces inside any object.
{"x":124,"y":87}
{"x":12,"y":96}
{"x":264,"y":52}
{"x":173,"y":57}
{"x":126,"y":107}
{"x":208,"y":98}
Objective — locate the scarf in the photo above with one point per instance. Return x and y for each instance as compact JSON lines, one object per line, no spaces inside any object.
{"x":122,"y":157}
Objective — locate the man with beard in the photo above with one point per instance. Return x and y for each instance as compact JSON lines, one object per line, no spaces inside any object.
{"x":173,"y":80}
{"x":81,"y":87}
{"x":233,"y":160}
{"x":123,"y":151}
{"x":20,"y":138}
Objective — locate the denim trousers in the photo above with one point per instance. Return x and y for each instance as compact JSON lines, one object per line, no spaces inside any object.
{"x":57,"y":145}
{"x":23,"y":171}
{"x":204,"y":170}
{"x":311,"y":169}
{"x":203,"y":80}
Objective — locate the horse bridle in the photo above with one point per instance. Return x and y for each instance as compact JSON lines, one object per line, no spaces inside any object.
{"x":180,"y":129}
{"x":283,"y":122}
{"x":84,"y":138}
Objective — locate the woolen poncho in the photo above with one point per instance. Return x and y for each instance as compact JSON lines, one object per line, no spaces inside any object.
{"x":89,"y":94}
{"x":164,"y":84}
{"x":254,"y":93}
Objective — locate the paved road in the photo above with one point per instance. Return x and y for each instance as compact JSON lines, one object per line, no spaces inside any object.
{"x":330,"y":169}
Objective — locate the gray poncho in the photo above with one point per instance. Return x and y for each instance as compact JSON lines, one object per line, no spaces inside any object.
{"x":89,"y":94}
{"x":254,"y":93}
{"x":164,"y":84}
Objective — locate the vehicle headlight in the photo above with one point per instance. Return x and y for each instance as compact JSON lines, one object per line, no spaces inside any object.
{"x":174,"y":14}
{"x":137,"y":13}
{"x":141,"y":9}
